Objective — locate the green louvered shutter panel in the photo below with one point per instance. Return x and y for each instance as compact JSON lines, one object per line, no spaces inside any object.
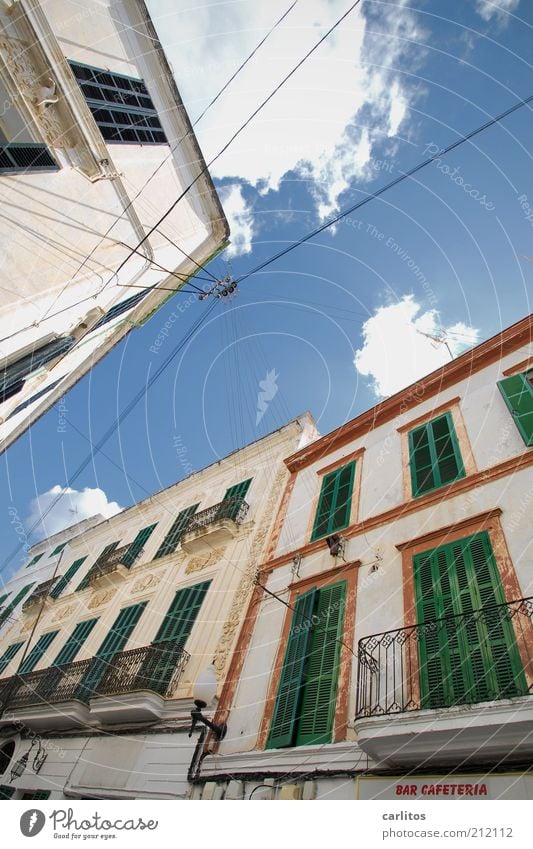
{"x":105,"y":552}
{"x":65,"y":579}
{"x":335,"y":501}
{"x":317,"y":716}
{"x":13,"y":603}
{"x":6,"y":792}
{"x":435,"y":457}
{"x":290,"y":686}
{"x":59,"y":548}
{"x":182,"y":613}
{"x":237,"y":491}
{"x":517,"y":392}
{"x":9,"y":654}
{"x":137,"y":544}
{"x":3,"y":598}
{"x":74,"y":642}
{"x":115,"y":641}
{"x":33,"y":658}
{"x":34,"y":560}
{"x":171,"y":541}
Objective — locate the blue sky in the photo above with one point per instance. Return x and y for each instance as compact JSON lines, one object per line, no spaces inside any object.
{"x":449,"y":251}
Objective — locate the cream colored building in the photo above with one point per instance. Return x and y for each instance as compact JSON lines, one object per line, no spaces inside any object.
{"x":108,"y":627}
{"x":397,"y":660}
{"x":95,"y":147}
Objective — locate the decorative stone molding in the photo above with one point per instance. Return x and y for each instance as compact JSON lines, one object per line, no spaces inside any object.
{"x":98,"y":599}
{"x":196,"y":564}
{"x":64,"y":613}
{"x":28,"y":626}
{"x":145,"y":583}
{"x":247,"y":582}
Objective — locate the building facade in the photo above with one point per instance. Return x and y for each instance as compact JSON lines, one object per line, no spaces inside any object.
{"x":107,"y":628}
{"x":388,"y":647}
{"x":95,"y":147}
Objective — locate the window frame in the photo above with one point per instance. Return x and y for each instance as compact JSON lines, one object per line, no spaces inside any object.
{"x":354,"y":459}
{"x":435,"y":468}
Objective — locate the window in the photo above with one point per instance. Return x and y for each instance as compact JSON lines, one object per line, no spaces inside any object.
{"x":36,"y":794}
{"x":9,"y":654}
{"x":9,"y":608}
{"x":33,"y":398}
{"x":470,"y":659}
{"x":20,"y":156}
{"x":435,"y":458}
{"x":6,"y":792}
{"x":335,"y":501}
{"x":121,"y":106}
{"x":34,"y":656}
{"x":106,"y":551}
{"x":172,"y":539}
{"x":182,"y":613}
{"x":65,"y":579}
{"x":13,"y":375}
{"x":115,"y":641}
{"x":75,"y":642}
{"x":59,"y":548}
{"x":35,"y":560}
{"x":517,"y":392}
{"x":304,"y":711}
{"x":137,"y":545}
{"x":3,"y":598}
{"x":124,"y":306}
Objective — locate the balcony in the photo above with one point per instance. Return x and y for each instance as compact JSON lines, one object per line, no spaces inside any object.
{"x":457,"y":688}
{"x":40,"y":593}
{"x":112,"y":567}
{"x":130,"y":686}
{"x":217,"y":525}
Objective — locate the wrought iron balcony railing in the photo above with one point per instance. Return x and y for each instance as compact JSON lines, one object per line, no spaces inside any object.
{"x":113,"y":562}
{"x":157,"y":667}
{"x":484,"y":655}
{"x":234,"y":508}
{"x":40,"y":592}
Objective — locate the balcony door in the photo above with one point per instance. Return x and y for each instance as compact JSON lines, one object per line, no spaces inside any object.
{"x":467,"y":651}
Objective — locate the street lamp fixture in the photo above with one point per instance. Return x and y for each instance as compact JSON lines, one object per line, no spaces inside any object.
{"x":203,"y":694}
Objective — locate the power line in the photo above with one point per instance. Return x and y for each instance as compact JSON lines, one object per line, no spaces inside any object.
{"x":386,"y":187}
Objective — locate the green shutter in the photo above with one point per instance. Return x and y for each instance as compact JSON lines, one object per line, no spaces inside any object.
{"x":13,"y":603}
{"x":115,"y":641}
{"x":517,"y":392}
{"x":335,"y":502}
{"x":171,"y":541}
{"x":290,"y":685}
{"x":9,"y":654}
{"x":36,"y":794}
{"x":106,"y":551}
{"x":464,"y":658}
{"x":65,"y":579}
{"x":6,"y":792}
{"x":181,"y":615}
{"x":435,"y":457}
{"x":137,"y":544}
{"x":59,"y":548}
{"x":238,"y":491}
{"x":34,"y":560}
{"x":33,"y":658}
{"x":315,"y":724}
{"x":3,"y":598}
{"x":74,"y":642}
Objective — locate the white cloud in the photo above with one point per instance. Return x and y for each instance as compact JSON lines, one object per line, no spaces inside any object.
{"x":326,"y":121}
{"x":499,"y":9}
{"x":240,"y":219}
{"x":73,"y":507}
{"x":396,"y":354}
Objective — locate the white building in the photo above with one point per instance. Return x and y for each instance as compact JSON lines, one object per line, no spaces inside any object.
{"x":107,"y":628}
{"x":95,"y":146}
{"x":397,"y":659}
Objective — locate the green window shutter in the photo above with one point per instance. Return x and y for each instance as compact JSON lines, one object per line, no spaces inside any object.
{"x":105,"y":552}
{"x":6,"y":792}
{"x":238,"y":491}
{"x":74,"y":642}
{"x":13,"y":603}
{"x":3,"y":598}
{"x":37,"y":794}
{"x":517,"y":392}
{"x":59,"y":548}
{"x":289,"y":691}
{"x":182,"y":613}
{"x":9,"y":654}
{"x":65,"y":579}
{"x":34,"y":560}
{"x":322,"y":668}
{"x":171,"y":541}
{"x":115,"y":641}
{"x":464,"y":658}
{"x":33,"y":658}
{"x":335,"y":502}
{"x":435,"y":457}
{"x":137,"y":544}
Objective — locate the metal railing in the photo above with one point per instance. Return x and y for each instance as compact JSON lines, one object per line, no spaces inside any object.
{"x":26,"y":156}
{"x":40,"y":592}
{"x":483,"y":655}
{"x":234,"y":508}
{"x":157,"y":667}
{"x":112,"y":563}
